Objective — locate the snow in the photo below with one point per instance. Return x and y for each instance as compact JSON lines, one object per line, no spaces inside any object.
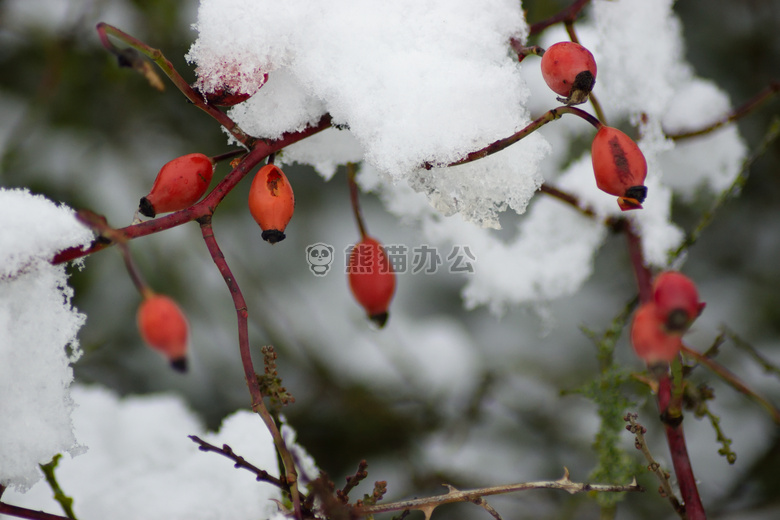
{"x":37,"y":323}
{"x":415,"y":83}
{"x":140,"y":463}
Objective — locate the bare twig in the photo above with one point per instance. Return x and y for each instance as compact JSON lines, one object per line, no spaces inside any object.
{"x":666,"y":488}
{"x":31,"y":514}
{"x":743,"y":345}
{"x":772,"y":134}
{"x":427,"y":505}
{"x":258,"y":406}
{"x":733,"y":381}
{"x":166,"y":66}
{"x":352,"y":481}
{"x":240,"y":462}
{"x":536,"y":124}
{"x":738,"y":113}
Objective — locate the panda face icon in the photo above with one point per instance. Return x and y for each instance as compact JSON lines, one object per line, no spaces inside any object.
{"x":320,"y":257}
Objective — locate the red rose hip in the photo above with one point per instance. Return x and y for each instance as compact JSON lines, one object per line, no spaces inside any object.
{"x":569,"y":69}
{"x":676,"y":300}
{"x":650,"y":339}
{"x":164,"y":327}
{"x":620,"y":167}
{"x":179,"y":185}
{"x":271,"y":202}
{"x":371,"y":279}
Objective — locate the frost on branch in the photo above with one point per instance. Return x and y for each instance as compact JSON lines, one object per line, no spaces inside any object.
{"x":37,"y":324}
{"x":414,"y":83}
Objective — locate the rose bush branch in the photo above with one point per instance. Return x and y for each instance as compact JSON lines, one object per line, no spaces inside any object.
{"x":639,"y":431}
{"x":427,"y":505}
{"x":732,"y":380}
{"x":258,"y":406}
{"x":166,"y":66}
{"x":536,"y":124}
{"x":240,"y":462}
{"x":30,"y":514}
{"x":746,"y":108}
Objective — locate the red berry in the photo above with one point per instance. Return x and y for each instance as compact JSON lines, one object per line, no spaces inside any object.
{"x":271,"y":202}
{"x":163,"y":327}
{"x":371,"y":279}
{"x":179,"y":184}
{"x":620,"y":167}
{"x":569,"y":69}
{"x":676,"y":300}
{"x":650,"y":339}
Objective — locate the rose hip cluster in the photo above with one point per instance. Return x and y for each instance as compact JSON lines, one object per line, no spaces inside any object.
{"x":569,"y":69}
{"x":658,"y":325}
{"x":181,"y":182}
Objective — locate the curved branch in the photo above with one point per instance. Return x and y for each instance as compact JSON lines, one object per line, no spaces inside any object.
{"x":536,"y":124}
{"x":258,"y":406}
{"x":167,"y":67}
{"x":737,"y":113}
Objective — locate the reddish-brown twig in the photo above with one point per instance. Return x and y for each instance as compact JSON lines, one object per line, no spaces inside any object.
{"x":166,"y":66}
{"x":258,"y":406}
{"x":239,"y":462}
{"x":733,"y":381}
{"x":533,"y":126}
{"x":31,"y":514}
{"x":739,"y":112}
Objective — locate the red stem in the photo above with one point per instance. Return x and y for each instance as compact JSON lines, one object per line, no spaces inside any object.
{"x":258,"y":406}
{"x":22,"y":512}
{"x":354,"y":199}
{"x":533,"y":126}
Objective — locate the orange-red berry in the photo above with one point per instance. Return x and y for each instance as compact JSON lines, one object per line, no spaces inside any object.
{"x":371,"y":278}
{"x":271,"y":202}
{"x":620,"y":167}
{"x":676,"y":300}
{"x":163,"y":327}
{"x":651,"y":342}
{"x":179,"y":184}
{"x":569,"y":69}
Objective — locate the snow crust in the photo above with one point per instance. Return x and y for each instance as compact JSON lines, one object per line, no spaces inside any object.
{"x":140,"y":463}
{"x":38,"y":328}
{"x":411,"y":84}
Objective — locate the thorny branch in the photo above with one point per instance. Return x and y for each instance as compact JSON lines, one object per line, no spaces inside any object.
{"x":427,"y":505}
{"x":666,"y":488}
